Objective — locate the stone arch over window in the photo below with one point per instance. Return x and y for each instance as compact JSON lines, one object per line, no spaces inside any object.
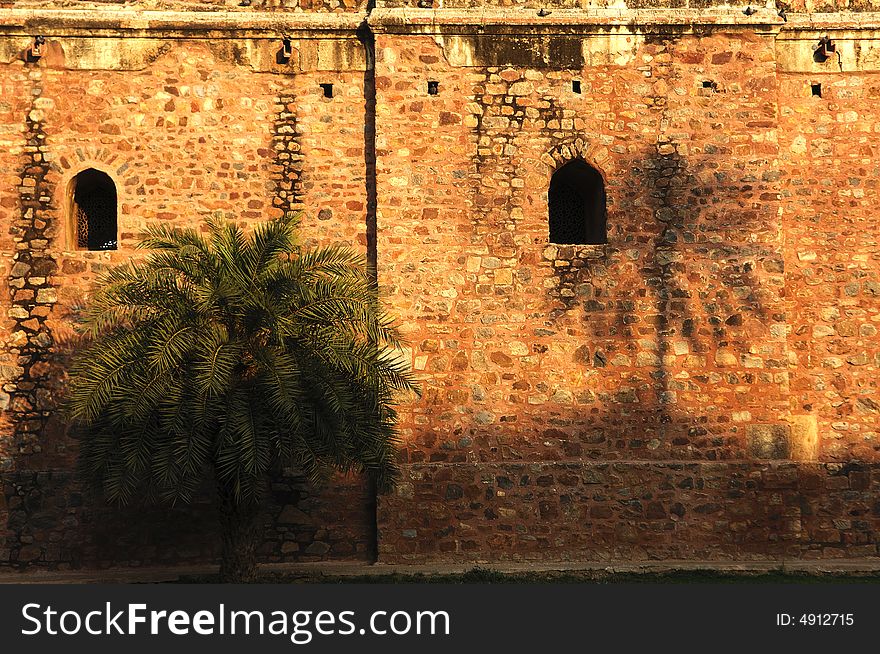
{"x":93,"y":210}
{"x":577,"y":204}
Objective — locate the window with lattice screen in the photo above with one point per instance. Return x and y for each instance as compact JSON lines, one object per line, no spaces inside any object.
{"x":93,"y":210}
{"x":577,"y":205}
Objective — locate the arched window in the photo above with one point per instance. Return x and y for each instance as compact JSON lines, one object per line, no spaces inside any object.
{"x":577,"y":204}
{"x":93,"y":210}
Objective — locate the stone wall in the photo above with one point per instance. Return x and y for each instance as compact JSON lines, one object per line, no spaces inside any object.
{"x":186,"y":129}
{"x":50,"y":522}
{"x":829,"y":145}
{"x":533,"y":350}
{"x":703,"y":386}
{"x":588,"y":511}
{"x":693,"y":336}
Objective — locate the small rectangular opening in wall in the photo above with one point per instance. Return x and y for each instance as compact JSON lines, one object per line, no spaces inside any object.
{"x":816,"y":89}
{"x":286,"y":48}
{"x":576,"y":86}
{"x":328,"y":90}
{"x":433,"y":88}
{"x":708,"y":84}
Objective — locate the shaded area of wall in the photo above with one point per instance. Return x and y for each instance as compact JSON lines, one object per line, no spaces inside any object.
{"x":554,"y":511}
{"x":52,"y":523}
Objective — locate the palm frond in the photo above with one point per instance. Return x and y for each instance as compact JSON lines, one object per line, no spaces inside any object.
{"x":226,"y":352}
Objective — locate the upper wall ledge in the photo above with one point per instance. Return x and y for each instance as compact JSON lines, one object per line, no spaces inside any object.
{"x":103,"y":22}
{"x":405,"y":19}
{"x":235,"y":24}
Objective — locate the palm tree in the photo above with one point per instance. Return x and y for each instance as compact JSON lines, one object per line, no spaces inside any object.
{"x":222,"y":356}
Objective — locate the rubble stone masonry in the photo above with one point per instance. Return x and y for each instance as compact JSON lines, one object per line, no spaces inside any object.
{"x":703,"y":386}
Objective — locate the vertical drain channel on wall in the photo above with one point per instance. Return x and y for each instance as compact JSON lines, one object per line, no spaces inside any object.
{"x":368,"y":39}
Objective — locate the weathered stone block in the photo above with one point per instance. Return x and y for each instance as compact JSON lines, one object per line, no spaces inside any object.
{"x":769,"y":441}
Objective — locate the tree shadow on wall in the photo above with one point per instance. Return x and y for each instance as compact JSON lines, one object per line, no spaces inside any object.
{"x":712,"y":311}
{"x":54,"y":519}
{"x":675,"y":317}
{"x":676,"y":358}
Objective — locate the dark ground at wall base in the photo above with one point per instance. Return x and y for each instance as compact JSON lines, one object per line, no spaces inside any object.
{"x":841,"y":571}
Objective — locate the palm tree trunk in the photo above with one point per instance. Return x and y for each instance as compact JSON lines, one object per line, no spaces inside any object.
{"x":239,"y":531}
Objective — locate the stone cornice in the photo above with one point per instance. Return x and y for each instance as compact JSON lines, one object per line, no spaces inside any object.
{"x":108,"y":22}
{"x":565,"y":21}
{"x":175,"y":24}
{"x":835,"y":21}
